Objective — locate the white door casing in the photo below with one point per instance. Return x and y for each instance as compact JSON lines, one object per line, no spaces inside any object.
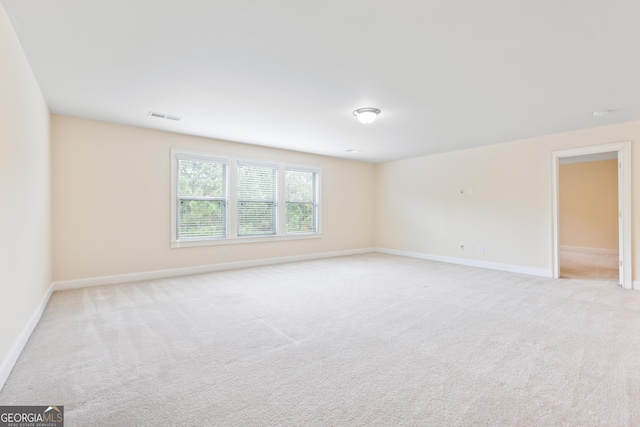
{"x":624,"y":204}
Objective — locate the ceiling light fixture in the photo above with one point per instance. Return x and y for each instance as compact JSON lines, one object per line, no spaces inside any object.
{"x":352,"y":151}
{"x":366,"y":115}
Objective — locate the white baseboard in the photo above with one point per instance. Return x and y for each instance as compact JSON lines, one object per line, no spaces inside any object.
{"x":471,"y":262}
{"x":603,"y":251}
{"x":14,"y":353}
{"x":186,"y":271}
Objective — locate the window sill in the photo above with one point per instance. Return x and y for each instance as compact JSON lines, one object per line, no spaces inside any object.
{"x":240,"y":240}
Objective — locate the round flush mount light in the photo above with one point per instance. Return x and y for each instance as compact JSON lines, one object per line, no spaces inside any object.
{"x":352,"y":151}
{"x":366,"y":115}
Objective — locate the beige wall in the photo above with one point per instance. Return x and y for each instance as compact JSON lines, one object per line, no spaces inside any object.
{"x":25,"y":226}
{"x":588,"y":199}
{"x":111,"y":202}
{"x":419,"y":207}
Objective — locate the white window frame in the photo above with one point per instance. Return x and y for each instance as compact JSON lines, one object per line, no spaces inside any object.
{"x":316,"y":201}
{"x":278,"y":195}
{"x":232,"y":200}
{"x":177,"y":154}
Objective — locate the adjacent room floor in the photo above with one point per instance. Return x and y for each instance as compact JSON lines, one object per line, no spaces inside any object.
{"x":368,"y":340}
{"x":579,"y":264}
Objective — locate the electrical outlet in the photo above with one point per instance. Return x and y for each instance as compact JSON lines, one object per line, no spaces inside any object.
{"x":481,"y":249}
{"x":225,"y":250}
{"x":462,"y":247}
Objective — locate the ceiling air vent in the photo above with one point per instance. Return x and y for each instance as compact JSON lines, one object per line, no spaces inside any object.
{"x":164,"y":116}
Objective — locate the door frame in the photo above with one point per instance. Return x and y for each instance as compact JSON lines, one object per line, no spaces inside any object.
{"x":624,"y":204}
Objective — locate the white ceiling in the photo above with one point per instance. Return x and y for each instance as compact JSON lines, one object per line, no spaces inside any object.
{"x":447,"y":75}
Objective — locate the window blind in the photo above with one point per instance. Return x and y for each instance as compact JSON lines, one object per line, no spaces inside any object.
{"x":301,"y":201}
{"x":257,"y":199}
{"x":202,"y":198}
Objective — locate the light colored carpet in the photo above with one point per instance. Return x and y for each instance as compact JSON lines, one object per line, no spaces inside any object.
{"x":577,"y":264}
{"x":370,"y":340}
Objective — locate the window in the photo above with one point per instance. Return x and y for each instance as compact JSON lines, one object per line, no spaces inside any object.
{"x":256,"y":199}
{"x":202,"y":198}
{"x":301,"y":199}
{"x":220,"y":200}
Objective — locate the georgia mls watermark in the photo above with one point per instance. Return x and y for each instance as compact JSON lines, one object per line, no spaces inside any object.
{"x":31,"y":416}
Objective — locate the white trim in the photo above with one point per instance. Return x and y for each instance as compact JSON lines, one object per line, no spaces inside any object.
{"x":543,"y":272}
{"x":278,"y":188}
{"x":248,"y":239}
{"x":186,"y":271}
{"x":281,"y":204}
{"x":624,"y":204}
{"x":16,"y":349}
{"x":180,"y":154}
{"x":624,"y":192}
{"x":318,"y":197}
{"x":584,"y":249}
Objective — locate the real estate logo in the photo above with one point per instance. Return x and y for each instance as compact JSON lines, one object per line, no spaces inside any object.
{"x":31,"y":416}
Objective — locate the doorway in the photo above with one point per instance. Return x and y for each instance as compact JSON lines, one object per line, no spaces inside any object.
{"x":588,"y":241}
{"x":621,"y":153}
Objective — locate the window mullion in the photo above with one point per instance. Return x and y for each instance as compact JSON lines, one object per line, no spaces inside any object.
{"x":233,"y":199}
{"x":281,"y":201}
